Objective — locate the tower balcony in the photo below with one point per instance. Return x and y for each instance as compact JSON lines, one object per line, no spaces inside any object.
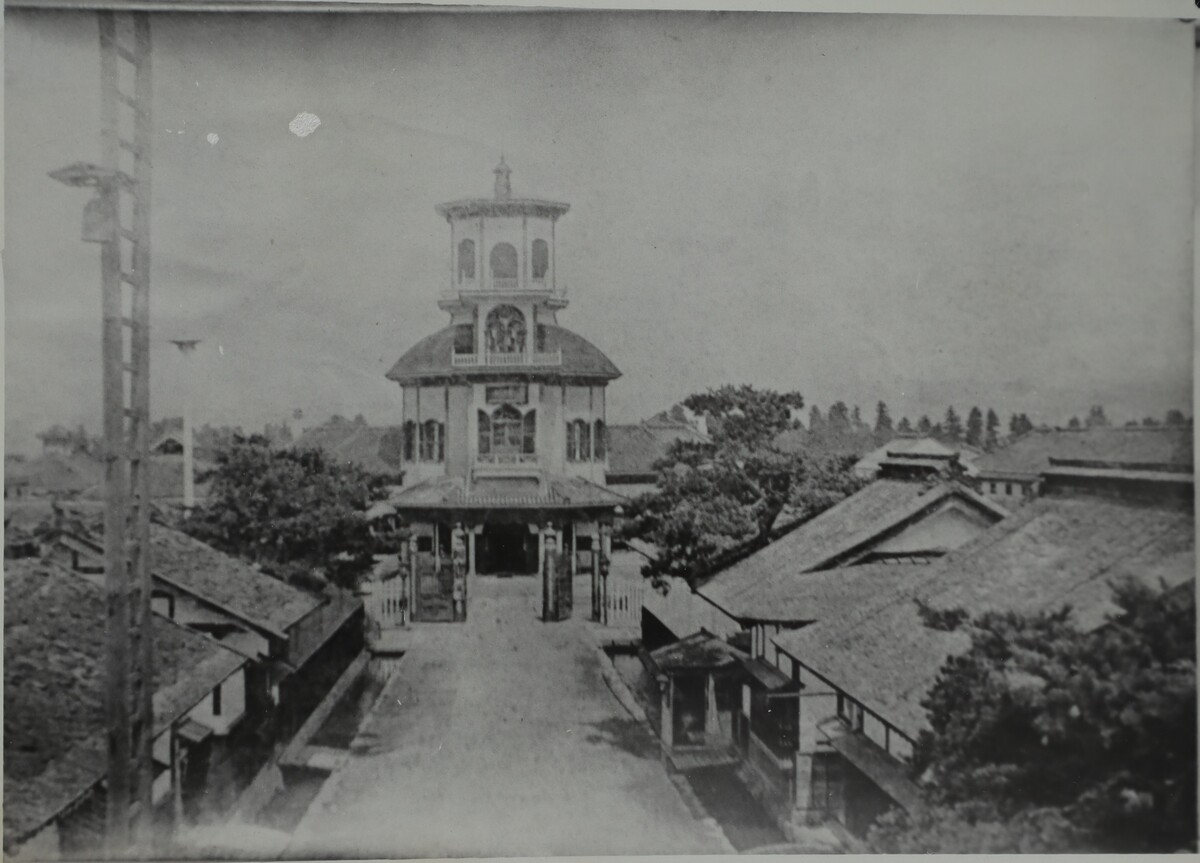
{"x":475,"y":290}
{"x":552,"y":358}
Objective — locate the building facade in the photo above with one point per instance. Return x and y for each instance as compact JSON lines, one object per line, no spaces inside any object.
{"x":504,"y":411}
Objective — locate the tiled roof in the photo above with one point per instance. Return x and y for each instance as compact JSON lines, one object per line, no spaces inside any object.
{"x":1055,"y":551}
{"x":633,"y":449}
{"x":698,"y":650}
{"x":54,"y":629}
{"x":753,"y":586}
{"x":221,"y":578}
{"x":451,"y":492}
{"x":1030,"y":454}
{"x":352,"y":443}
{"x":165,"y":479}
{"x":55,"y":474}
{"x":430,"y":359}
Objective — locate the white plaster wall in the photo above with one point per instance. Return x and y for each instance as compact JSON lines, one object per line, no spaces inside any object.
{"x":233,"y":705}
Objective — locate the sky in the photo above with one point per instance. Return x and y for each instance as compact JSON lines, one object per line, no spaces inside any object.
{"x":928,"y":210}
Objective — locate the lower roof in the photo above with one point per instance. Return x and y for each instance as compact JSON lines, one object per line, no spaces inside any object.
{"x":1054,"y":552}
{"x":553,"y":492}
{"x":54,"y":730}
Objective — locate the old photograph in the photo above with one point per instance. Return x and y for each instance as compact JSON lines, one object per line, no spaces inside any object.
{"x":468,"y":432}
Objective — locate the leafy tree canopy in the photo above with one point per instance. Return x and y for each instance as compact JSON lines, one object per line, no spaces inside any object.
{"x":292,"y":511}
{"x":1048,"y":739}
{"x":714,"y":497}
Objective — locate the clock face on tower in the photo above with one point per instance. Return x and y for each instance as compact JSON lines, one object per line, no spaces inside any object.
{"x":505,"y":331}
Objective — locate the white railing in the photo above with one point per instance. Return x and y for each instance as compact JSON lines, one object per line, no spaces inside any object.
{"x":387,"y":603}
{"x":623,"y":602}
{"x":507,"y":458}
{"x":552,"y":358}
{"x":500,"y":283}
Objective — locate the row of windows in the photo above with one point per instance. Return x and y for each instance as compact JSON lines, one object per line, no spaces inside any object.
{"x":504,"y":333}
{"x":505,"y":432}
{"x":503,"y":260}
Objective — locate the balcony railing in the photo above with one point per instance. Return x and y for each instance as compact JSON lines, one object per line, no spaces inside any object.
{"x":507,"y":458}
{"x":553,"y":358}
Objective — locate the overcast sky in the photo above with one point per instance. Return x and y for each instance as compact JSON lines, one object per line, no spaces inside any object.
{"x":924,"y":210}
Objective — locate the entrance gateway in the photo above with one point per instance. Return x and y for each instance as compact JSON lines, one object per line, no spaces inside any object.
{"x":504,"y":417}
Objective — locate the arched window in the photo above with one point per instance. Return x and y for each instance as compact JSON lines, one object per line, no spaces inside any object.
{"x":600,"y":440}
{"x":508,"y":432}
{"x":433,"y":441}
{"x":410,"y":441}
{"x":541,"y":259}
{"x":505,"y":330}
{"x":504,"y":261}
{"x":466,"y":260}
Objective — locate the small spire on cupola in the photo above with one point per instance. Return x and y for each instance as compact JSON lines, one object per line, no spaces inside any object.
{"x":503,"y":183}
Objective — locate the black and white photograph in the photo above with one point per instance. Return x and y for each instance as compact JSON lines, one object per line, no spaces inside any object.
{"x":449,"y":431}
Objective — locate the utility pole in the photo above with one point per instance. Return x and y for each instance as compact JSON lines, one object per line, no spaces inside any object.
{"x":186,"y":347}
{"x":118,"y":218}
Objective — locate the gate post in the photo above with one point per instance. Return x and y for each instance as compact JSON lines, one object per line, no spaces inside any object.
{"x":549,"y":588}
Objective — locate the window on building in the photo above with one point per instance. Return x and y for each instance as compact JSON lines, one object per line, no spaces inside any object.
{"x":504,"y":261}
{"x":433,"y":441}
{"x":485,"y":433}
{"x":505,"y":330}
{"x":506,"y":434}
{"x":601,"y":441}
{"x":466,"y":260}
{"x":529,"y":441}
{"x":410,"y":441}
{"x":539,"y":343}
{"x":579,"y":440}
{"x":541,"y":259}
{"x":216,"y":700}
{"x":464,"y":339}
{"x":425,"y":544}
{"x":1008,"y":488}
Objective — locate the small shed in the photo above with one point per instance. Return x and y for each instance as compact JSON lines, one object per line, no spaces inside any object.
{"x":699,"y":680}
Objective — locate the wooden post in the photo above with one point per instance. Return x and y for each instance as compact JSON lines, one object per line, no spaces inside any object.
{"x":712,"y":723}
{"x":666,"y":688}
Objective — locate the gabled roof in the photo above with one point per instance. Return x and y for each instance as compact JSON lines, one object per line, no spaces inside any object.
{"x":917,"y":447}
{"x":54,"y":688}
{"x":55,"y":474}
{"x":633,"y":449}
{"x":200,"y":570}
{"x":753,"y":586}
{"x":431,"y":360}
{"x":699,"y":651}
{"x":873,"y":646}
{"x":452,"y":492}
{"x":1163,"y":447}
{"x":353,"y":443}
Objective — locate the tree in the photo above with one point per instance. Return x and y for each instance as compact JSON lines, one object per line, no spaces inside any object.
{"x":1096,"y":417}
{"x":905,"y":427}
{"x":856,"y":420}
{"x":952,"y":429}
{"x":292,"y":511}
{"x":1019,"y":424}
{"x":1047,"y":738}
{"x":838,"y":420}
{"x":991,"y":438}
{"x":883,"y":423}
{"x":1175,"y":417}
{"x":974,"y":427}
{"x":924,"y":426}
{"x":715,"y":496}
{"x":1074,"y":423}
{"x":1150,"y":422}
{"x":816,"y":422}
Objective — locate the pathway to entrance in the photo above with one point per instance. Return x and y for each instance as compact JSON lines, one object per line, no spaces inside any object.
{"x":499,"y":737}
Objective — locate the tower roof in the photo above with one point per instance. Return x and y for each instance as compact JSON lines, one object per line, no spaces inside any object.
{"x":431,"y":359}
{"x":502,"y":203}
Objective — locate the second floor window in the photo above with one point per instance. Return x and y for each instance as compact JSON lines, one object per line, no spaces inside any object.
{"x":433,"y":441}
{"x":579,"y":441}
{"x":410,"y":441}
{"x":504,"y":261}
{"x":600,"y":441}
{"x":507,"y":434}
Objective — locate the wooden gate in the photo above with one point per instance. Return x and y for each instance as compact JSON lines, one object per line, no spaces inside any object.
{"x":433,"y":593}
{"x":387,"y":602}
